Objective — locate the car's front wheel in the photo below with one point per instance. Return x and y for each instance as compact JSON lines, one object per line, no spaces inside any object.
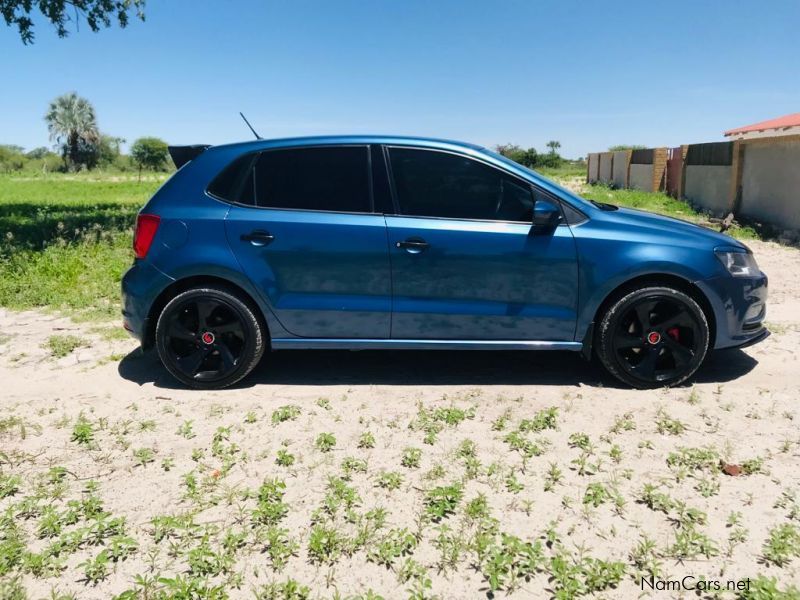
{"x":653,"y":337}
{"x":209,"y":338}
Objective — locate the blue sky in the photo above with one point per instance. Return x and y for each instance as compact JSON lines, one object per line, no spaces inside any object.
{"x":589,"y":74}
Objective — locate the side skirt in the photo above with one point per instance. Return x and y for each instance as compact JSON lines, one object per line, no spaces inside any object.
{"x":366,"y":344}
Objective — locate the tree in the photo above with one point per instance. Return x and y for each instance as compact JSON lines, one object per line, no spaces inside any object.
{"x":38,"y":153}
{"x":11,"y":158}
{"x":72,"y":124}
{"x":553,"y":145}
{"x":626,"y":147}
{"x":97,"y":13}
{"x":527,"y":158}
{"x":149,"y":153}
{"x":108,"y":150}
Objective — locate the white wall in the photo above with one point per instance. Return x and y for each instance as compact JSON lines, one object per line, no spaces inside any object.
{"x":771,"y":183}
{"x":605,"y":167}
{"x":641,"y":178}
{"x":709,"y":187}
{"x":619,"y":175}
{"x":592,"y":167}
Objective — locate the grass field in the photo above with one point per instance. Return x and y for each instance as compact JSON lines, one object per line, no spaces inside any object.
{"x":65,"y":239}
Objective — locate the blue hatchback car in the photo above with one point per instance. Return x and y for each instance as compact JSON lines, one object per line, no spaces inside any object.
{"x":369,"y":242}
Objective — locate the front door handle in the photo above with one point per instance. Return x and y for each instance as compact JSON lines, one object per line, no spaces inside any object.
{"x":414,"y":246}
{"x":258,"y":237}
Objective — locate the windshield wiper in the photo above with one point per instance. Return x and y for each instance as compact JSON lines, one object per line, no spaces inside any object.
{"x":604,"y":205}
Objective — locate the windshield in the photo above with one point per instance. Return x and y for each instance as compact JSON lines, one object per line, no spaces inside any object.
{"x":560,"y":190}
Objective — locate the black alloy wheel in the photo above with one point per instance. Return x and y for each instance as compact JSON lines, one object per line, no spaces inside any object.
{"x":653,"y":337}
{"x":208,"y":338}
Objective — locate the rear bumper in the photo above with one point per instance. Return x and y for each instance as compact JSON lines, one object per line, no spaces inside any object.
{"x":740,"y":307}
{"x":141,"y":285}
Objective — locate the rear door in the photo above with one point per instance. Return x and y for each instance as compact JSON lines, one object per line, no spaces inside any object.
{"x":466,"y":261}
{"x":303,"y":229}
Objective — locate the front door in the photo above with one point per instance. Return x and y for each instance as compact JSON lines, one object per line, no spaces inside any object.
{"x":466,"y":263}
{"x":306,"y":236}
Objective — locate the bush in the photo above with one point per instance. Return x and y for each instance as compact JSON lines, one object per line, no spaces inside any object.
{"x":11,"y":159}
{"x":149,"y":153}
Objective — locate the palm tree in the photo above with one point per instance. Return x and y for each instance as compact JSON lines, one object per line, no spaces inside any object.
{"x":553,"y":145}
{"x":72,"y":124}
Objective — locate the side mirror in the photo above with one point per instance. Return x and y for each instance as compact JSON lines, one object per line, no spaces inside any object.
{"x":546,"y":215}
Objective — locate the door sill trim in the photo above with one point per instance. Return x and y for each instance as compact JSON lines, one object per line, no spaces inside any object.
{"x":386,"y":344}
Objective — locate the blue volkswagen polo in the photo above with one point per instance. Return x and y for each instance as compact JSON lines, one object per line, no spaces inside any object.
{"x":373,"y":242}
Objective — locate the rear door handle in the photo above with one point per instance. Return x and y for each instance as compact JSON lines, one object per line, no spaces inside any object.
{"x":413,"y":245}
{"x":258,"y":237}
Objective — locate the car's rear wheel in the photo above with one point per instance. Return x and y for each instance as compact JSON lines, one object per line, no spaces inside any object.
{"x":653,"y":337}
{"x":209,"y":338}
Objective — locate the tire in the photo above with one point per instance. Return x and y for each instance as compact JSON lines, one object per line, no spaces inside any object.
{"x":653,"y":337}
{"x":209,"y":337}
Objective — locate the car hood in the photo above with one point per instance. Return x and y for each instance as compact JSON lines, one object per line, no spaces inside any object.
{"x":673,"y":227}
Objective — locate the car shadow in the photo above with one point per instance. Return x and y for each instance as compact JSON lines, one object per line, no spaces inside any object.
{"x":432,"y":367}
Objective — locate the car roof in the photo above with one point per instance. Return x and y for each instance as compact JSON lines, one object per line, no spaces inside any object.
{"x":332,"y":140}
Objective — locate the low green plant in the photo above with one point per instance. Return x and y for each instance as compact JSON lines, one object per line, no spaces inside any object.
{"x":441,"y":502}
{"x":289,"y":412}
{"x":95,"y":569}
{"x":782,"y":545}
{"x":325,"y":544}
{"x":351,"y":465}
{"x":411,"y":458}
{"x":83,"y":431}
{"x":144,"y":456}
{"x":60,"y":346}
{"x":285,"y":458}
{"x":270,"y":508}
{"x":290,"y":589}
{"x":596,"y":494}
{"x":553,"y":477}
{"x":690,"y":544}
{"x":510,"y":560}
{"x":668,"y":425}
{"x":9,"y":485}
{"x":390,"y":480}
{"x":694,"y":459}
{"x":186,"y":430}
{"x":395,"y":544}
{"x":325,"y":442}
{"x":278,"y":545}
{"x":544,"y":419}
{"x":655,"y":500}
{"x":367,"y":440}
{"x":753,"y":466}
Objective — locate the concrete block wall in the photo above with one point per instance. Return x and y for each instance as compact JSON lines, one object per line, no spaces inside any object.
{"x":606,"y":167}
{"x":641,"y":177}
{"x":592,"y":166}
{"x":620,"y":168}
{"x":709,"y":187}
{"x":757,"y":178}
{"x":770,"y":181}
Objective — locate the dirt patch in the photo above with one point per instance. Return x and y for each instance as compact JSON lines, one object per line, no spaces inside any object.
{"x":593,"y":485}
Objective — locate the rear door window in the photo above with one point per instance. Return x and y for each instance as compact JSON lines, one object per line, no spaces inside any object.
{"x":332,"y":178}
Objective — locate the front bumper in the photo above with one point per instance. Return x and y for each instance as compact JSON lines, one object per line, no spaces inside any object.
{"x":141,"y":285}
{"x":740,"y":307}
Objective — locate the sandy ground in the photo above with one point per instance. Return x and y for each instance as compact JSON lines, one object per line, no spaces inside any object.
{"x":743,"y":405}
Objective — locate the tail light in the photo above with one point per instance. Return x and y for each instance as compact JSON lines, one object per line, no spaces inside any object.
{"x":146,"y":227}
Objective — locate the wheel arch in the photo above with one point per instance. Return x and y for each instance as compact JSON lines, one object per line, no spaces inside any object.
{"x":652,"y":279}
{"x":181,"y":285}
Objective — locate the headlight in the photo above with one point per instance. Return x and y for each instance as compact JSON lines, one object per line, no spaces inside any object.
{"x":738,"y":263}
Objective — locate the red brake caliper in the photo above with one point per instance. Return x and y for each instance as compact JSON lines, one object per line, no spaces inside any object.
{"x":674,"y":333}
